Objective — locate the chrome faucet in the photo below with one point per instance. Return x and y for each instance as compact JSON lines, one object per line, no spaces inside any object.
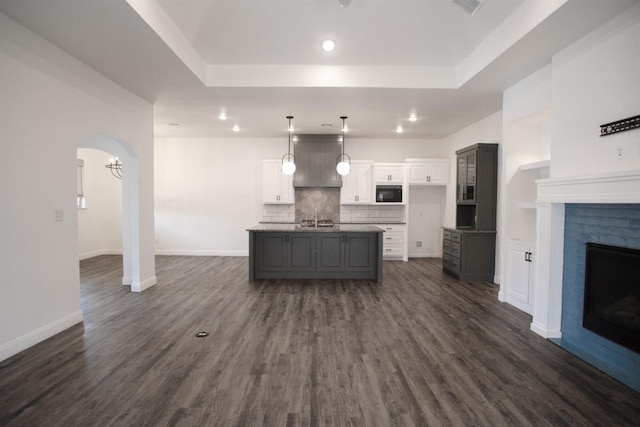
{"x":316,"y":221}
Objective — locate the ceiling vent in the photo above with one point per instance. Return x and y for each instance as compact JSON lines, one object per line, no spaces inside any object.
{"x":469,"y":6}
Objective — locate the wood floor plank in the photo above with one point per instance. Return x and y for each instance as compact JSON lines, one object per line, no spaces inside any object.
{"x":419,"y":349}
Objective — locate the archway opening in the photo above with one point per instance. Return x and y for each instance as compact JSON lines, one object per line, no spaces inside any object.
{"x":99,"y":206}
{"x":130,"y":203}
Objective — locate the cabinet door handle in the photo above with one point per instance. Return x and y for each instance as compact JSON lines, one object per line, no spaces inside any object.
{"x":286,"y":238}
{"x":344,"y":239}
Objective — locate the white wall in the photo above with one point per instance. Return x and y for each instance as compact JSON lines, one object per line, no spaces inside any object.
{"x":51,"y":102}
{"x":100,"y":224}
{"x":595,"y":81}
{"x":209,"y":190}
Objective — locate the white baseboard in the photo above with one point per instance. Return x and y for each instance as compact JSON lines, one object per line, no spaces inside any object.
{"x":23,"y":342}
{"x":425,"y":255}
{"x":527,"y":308}
{"x":91,"y":254}
{"x":145,"y":284}
{"x":187,"y":252}
{"x":502,"y":297}
{"x":127,"y":280}
{"x":545,"y":333}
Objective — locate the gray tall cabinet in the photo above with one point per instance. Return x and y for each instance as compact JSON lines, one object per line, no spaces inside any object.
{"x":468,"y":251}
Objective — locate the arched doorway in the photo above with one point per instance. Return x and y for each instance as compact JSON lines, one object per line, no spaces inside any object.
{"x":130,"y":203}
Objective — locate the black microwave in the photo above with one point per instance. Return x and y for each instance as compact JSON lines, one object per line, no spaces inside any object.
{"x":388,"y":193}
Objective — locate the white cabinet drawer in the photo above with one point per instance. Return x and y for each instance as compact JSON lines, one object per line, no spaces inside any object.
{"x":391,"y":228}
{"x":392,"y":251}
{"x":393,"y":238}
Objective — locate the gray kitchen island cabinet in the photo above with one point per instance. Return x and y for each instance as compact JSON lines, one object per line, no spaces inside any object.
{"x":285,"y":252}
{"x":294,"y":252}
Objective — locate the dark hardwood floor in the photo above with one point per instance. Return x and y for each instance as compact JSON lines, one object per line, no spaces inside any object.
{"x":419,"y":349}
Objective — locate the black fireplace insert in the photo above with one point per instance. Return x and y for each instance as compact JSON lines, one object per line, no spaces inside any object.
{"x":612,"y":294}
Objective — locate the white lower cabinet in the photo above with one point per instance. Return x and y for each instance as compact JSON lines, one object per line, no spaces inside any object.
{"x":519,"y":280}
{"x":394,"y":241}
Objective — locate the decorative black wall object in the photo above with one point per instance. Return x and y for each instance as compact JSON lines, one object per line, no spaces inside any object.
{"x":620,"y":126}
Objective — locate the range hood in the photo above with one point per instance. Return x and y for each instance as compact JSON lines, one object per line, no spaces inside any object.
{"x":316,"y":157}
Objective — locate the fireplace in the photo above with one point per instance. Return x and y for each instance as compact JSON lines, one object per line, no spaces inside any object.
{"x":612,"y":294}
{"x":571,"y":212}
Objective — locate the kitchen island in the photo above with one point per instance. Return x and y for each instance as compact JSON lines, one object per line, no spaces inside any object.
{"x":290,"y":251}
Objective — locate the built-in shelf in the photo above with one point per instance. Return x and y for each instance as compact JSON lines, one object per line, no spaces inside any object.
{"x":542,"y":164}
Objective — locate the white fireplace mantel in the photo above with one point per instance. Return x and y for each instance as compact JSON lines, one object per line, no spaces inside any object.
{"x":553,"y":194}
{"x":611,"y":188}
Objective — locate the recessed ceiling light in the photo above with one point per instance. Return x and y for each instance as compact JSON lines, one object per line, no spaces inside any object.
{"x":328,"y":45}
{"x":399,"y":129}
{"x":236,"y":128}
{"x":413,"y":118}
{"x":222,"y":116}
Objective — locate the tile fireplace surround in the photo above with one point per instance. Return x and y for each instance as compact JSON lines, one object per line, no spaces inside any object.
{"x":553,"y":196}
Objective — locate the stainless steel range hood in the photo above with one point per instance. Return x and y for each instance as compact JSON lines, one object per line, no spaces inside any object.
{"x":316,"y":157}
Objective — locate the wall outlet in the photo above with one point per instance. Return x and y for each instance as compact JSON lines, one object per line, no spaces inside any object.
{"x":418,"y":244}
{"x":619,"y":153}
{"x":58,"y":215}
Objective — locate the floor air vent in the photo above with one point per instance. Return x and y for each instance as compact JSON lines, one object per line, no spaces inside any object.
{"x":469,"y":6}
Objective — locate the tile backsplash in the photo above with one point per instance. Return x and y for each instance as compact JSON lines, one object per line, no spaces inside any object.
{"x":371,"y":213}
{"x":326,"y":200}
{"x":278,"y":213}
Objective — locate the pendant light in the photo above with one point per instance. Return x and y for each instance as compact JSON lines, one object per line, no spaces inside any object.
{"x":344,"y":161}
{"x":288,"y":160}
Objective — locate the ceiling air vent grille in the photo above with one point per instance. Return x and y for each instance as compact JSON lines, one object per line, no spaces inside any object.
{"x":469,"y":6}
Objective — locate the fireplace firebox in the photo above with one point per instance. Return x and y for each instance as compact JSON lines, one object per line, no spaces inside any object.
{"x":612,"y":294}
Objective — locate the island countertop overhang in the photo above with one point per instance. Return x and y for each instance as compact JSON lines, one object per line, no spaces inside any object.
{"x":296,"y":228}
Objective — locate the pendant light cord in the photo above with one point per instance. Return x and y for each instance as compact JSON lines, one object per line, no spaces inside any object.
{"x":289,"y":130}
{"x":343,"y":140}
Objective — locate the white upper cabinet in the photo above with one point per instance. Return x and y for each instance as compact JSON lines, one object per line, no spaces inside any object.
{"x":427,"y":171}
{"x":356,"y":186}
{"x":388,"y":174}
{"x":277,"y":188}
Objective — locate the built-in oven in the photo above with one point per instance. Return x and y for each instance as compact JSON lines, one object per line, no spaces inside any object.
{"x":388,"y":193}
